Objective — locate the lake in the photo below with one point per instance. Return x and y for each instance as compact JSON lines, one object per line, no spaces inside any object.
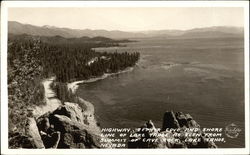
{"x":202,"y":77}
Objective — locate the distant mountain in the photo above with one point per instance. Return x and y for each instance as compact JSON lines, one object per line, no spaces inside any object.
{"x":208,"y":32}
{"x":62,"y":40}
{"x":18,"y":28}
{"x":224,"y":29}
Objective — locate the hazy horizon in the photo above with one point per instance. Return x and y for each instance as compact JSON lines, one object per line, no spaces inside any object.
{"x":130,"y":19}
{"x":127,"y":31}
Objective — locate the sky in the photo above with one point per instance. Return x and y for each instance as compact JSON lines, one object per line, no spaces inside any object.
{"x":130,"y":19}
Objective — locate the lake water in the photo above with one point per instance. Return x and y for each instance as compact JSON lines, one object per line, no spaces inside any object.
{"x":202,"y":77}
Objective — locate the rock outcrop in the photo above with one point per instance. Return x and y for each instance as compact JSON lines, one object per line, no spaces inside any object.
{"x":33,"y":132}
{"x":68,"y":127}
{"x":173,"y":134}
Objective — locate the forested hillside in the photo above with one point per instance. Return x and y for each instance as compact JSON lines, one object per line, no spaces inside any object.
{"x":32,"y":59}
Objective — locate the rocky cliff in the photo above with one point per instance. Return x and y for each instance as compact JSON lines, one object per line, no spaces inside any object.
{"x":68,"y":126}
{"x":178,"y":131}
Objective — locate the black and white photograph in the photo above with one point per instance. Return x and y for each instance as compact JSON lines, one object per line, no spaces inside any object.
{"x":116,"y":76}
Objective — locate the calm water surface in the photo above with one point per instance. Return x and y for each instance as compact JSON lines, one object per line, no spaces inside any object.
{"x":203,"y":77}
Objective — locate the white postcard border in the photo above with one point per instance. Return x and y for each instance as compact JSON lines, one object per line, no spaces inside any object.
{"x":4,"y":94}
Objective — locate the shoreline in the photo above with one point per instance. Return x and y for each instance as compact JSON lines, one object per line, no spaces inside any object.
{"x":90,"y":109}
{"x":73,"y":86}
{"x":52,"y":102}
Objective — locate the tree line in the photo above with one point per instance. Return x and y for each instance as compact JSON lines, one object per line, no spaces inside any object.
{"x":73,"y":61}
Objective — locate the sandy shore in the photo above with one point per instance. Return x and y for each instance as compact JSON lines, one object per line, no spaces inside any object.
{"x":74,"y":85}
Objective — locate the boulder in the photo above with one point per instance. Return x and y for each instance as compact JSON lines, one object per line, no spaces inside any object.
{"x":71,"y":110}
{"x":170,"y":121}
{"x":74,"y":134}
{"x":33,"y":134}
{"x":65,"y":128}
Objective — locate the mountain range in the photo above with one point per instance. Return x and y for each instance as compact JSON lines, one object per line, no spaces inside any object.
{"x":207,"y":32}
